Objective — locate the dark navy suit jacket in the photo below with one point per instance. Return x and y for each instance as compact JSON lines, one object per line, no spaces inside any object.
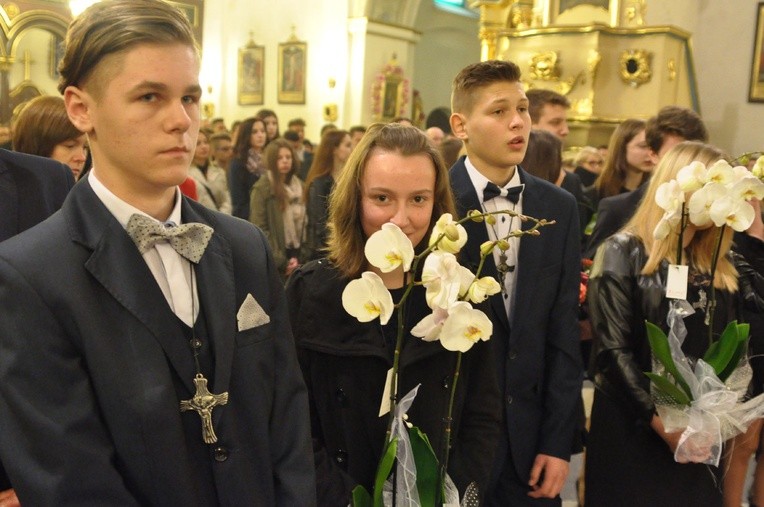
{"x":612,"y":214}
{"x":93,"y":365}
{"x":538,"y":358}
{"x":31,"y":189}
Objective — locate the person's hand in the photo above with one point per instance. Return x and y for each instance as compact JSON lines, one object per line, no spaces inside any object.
{"x":671,"y":439}
{"x":8,"y":498}
{"x":292,"y":265}
{"x":548,"y":476}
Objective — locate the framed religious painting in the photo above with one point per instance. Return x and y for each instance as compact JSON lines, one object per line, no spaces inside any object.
{"x":292,"y":66}
{"x":194,"y":12}
{"x":250,"y":72}
{"x":756,"y":89}
{"x":584,"y":11}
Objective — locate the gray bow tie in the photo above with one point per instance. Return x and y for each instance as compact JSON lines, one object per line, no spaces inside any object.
{"x":189,"y":240}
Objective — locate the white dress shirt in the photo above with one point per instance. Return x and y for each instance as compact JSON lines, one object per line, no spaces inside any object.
{"x":172,"y":271}
{"x":503,"y":226}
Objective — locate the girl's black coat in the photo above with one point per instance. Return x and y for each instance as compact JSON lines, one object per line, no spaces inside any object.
{"x":345,"y":363}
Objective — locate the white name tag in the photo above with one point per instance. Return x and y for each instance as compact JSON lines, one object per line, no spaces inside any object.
{"x":384,"y":406}
{"x":676,"y":285}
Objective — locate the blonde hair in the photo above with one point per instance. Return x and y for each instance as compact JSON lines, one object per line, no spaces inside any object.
{"x":701,"y":248}
{"x":585,"y":153}
{"x":346,"y":238}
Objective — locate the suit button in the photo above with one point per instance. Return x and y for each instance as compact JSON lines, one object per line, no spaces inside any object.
{"x":446,"y":382}
{"x":221,"y":454}
{"x":341,"y":396}
{"x":340,"y":456}
{"x":513,"y":354}
{"x":509,"y":399}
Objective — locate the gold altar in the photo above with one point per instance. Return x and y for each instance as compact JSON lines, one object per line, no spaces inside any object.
{"x":598,"y":53}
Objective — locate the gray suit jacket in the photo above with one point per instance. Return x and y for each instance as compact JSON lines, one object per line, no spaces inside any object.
{"x":93,"y":365}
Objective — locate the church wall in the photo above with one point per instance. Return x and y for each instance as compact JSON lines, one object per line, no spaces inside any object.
{"x":724,"y":52}
{"x":322,"y":23}
{"x":449,"y":42}
{"x":723,"y":35}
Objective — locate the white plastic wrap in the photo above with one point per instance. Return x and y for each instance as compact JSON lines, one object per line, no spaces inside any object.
{"x":406,"y":491}
{"x":717,"y":413}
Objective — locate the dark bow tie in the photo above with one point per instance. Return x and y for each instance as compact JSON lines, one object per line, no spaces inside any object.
{"x":492,"y":190}
{"x":189,"y":240}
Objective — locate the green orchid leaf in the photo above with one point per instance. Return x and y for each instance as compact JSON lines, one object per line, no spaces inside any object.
{"x":427,"y":469}
{"x":361,"y":497}
{"x":712,"y":351}
{"x":660,"y":347}
{"x":667,"y":388}
{"x":743,"y":331}
{"x":728,"y":344}
{"x":386,"y":463}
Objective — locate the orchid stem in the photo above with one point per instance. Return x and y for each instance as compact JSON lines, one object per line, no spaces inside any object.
{"x":680,"y":247}
{"x":447,"y":433}
{"x":712,"y":299}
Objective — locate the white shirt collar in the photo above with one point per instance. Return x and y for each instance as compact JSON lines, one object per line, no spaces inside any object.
{"x":479,"y":181}
{"x":121,"y":210}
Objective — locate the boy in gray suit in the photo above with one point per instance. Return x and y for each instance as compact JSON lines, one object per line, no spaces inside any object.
{"x":145,"y":353}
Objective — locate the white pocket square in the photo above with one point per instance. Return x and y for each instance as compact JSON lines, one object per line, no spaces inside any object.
{"x":251,"y":314}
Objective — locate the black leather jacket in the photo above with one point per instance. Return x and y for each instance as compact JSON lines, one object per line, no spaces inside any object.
{"x":621,"y":299}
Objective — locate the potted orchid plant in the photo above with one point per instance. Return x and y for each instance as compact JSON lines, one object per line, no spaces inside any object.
{"x":703,"y":399}
{"x":450,"y":291}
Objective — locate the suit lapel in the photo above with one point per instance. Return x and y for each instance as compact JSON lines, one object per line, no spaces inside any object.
{"x":531,"y":251}
{"x":217,"y":295}
{"x":118,"y":266}
{"x":477,"y":234}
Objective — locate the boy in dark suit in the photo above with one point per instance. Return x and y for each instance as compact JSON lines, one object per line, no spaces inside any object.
{"x":145,"y":353}
{"x":535,"y":316}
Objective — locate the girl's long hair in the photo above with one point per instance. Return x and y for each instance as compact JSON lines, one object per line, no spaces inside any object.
{"x":610,"y":181}
{"x":278,"y":180}
{"x":323,"y":160}
{"x":346,"y":239}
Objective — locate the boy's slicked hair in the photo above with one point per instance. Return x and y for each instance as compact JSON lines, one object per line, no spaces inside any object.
{"x":479,"y":75}
{"x":114,"y":26}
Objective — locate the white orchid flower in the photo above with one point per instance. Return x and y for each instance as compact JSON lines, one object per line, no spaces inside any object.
{"x":482,"y":288}
{"x":466,"y":277}
{"x":737,"y":214}
{"x":455,"y":234}
{"x":670,"y":196}
{"x":389,"y":248}
{"x":441,"y":276}
{"x":464,"y":327}
{"x":758,"y":167}
{"x":367,"y":298}
{"x":739,"y":172}
{"x":720,"y":172}
{"x":692,"y":177}
{"x":663,"y":229}
{"x":429,"y":327}
{"x":747,"y":188}
{"x":700,"y":202}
